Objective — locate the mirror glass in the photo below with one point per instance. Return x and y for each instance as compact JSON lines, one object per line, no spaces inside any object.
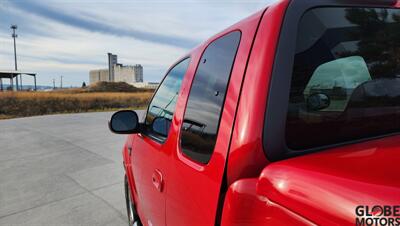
{"x":124,"y":122}
{"x":318,"y":101}
{"x":337,"y":79}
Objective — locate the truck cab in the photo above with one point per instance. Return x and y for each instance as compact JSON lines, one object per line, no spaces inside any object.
{"x":289,"y":117}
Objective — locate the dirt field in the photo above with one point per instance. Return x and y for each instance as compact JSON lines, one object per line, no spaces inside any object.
{"x":23,"y":104}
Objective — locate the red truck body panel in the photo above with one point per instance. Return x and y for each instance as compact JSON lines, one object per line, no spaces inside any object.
{"x":246,"y":156}
{"x":327,"y":192}
{"x":176,"y":168}
{"x":314,"y":190}
{"x":244,"y":207}
{"x":195,"y":176}
{"x":239,"y":186}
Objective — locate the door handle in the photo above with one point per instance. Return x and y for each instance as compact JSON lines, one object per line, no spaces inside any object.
{"x":158,"y":181}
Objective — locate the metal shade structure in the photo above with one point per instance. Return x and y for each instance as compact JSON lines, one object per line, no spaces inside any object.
{"x":13,"y":74}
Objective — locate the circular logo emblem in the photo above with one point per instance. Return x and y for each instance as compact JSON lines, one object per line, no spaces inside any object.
{"x":377,"y":211}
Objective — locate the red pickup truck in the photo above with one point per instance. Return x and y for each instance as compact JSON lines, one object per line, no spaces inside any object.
{"x":289,"y":117}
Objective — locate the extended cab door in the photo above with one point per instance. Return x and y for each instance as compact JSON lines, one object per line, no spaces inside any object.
{"x":204,"y":122}
{"x":151,"y":147}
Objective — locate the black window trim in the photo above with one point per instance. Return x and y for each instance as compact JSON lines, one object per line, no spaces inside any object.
{"x":157,"y":138}
{"x":274,"y":139}
{"x":223,"y":103}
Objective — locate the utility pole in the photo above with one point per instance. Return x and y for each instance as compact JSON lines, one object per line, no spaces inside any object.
{"x":61,"y":82}
{"x":54,"y":84}
{"x":14,"y":35}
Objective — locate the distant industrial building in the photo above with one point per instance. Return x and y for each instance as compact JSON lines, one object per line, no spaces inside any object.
{"x":147,"y":85}
{"x":100,"y":75}
{"x":112,"y":60}
{"x":120,"y":73}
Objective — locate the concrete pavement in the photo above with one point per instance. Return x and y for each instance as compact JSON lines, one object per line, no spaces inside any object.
{"x":61,"y":170}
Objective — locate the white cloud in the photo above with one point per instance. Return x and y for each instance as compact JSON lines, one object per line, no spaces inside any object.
{"x":53,"y":48}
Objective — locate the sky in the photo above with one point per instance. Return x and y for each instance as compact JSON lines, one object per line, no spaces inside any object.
{"x":71,"y":37}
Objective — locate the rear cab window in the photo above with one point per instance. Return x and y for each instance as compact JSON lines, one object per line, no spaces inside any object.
{"x":206,"y":98}
{"x":345,"y":83}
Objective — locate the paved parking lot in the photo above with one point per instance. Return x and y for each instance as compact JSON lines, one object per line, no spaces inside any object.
{"x":61,"y":170}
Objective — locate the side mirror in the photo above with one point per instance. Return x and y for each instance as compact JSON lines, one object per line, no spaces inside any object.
{"x":318,"y":101}
{"x":124,"y":122}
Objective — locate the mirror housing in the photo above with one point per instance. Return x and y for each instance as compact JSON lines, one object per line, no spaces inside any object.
{"x":318,"y":101}
{"x":124,"y":122}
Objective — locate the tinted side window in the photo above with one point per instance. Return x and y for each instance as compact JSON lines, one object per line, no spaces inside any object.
{"x":346,"y":77}
{"x":206,"y":98}
{"x":162,"y":107}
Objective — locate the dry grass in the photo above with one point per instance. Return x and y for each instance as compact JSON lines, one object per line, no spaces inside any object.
{"x":22,"y":104}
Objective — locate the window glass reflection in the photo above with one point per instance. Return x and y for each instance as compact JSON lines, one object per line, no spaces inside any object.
{"x":206,"y":99}
{"x":162,"y":107}
{"x":350,"y":57}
